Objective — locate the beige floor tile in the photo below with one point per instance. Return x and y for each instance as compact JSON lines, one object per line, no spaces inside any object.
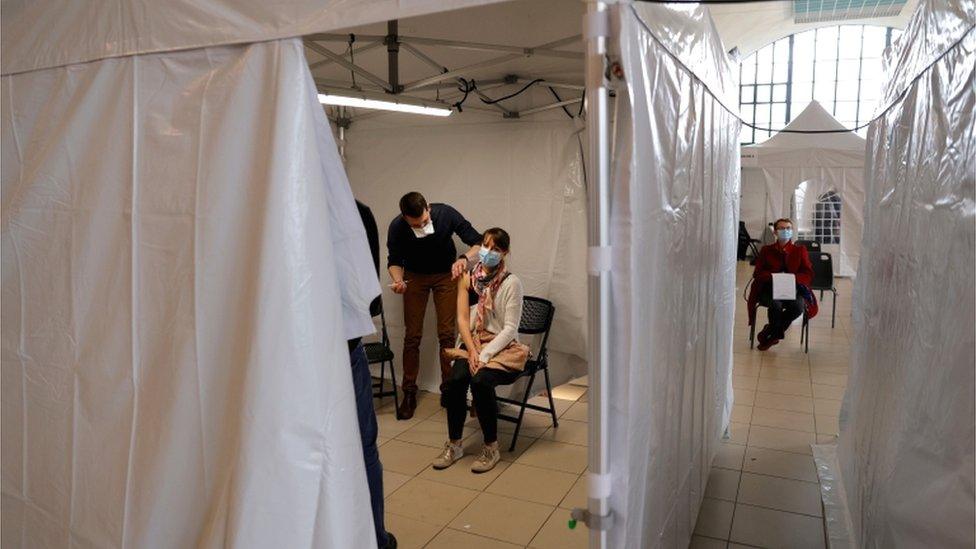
{"x":578,"y":412}
{"x":392,"y":481}
{"x":741,"y":413}
{"x":389,"y":425}
{"x":533,"y":484}
{"x":792,"y":388}
{"x":561,"y":405}
{"x":430,"y":432}
{"x":549,"y":454}
{"x":429,"y":501}
{"x":474,"y":443}
{"x":832,"y":369}
{"x":406,"y":458}
{"x":746,"y":370}
{"x":785,"y":356}
{"x":428,"y":404}
{"x":739,"y":432}
{"x":460,"y":474}
{"x":380,"y":441}
{"x":576,"y":498}
{"x":780,"y":373}
{"x":555,"y":533}
{"x":783,"y":419}
{"x":533,"y":425}
{"x":410,"y":533}
{"x":568,"y":392}
{"x":722,"y":484}
{"x":729,"y":456}
{"x":744,"y":397}
{"x":504,"y":518}
{"x":454,"y":539}
{"x":781,"y":439}
{"x":828,"y":392}
{"x":826,"y":407}
{"x":744,"y":382}
{"x":571,"y":432}
{"x":585,"y":397}
{"x":701,"y":542}
{"x":774,"y":529}
{"x":795,"y":496}
{"x":826,"y":439}
{"x":828,"y":425}
{"x":780,"y":464}
{"x":714,"y":518}
{"x":789,"y":403}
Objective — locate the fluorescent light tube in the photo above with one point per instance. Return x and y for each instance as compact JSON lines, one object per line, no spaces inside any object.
{"x":383,"y":105}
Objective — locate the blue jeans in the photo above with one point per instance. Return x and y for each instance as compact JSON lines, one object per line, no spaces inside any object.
{"x":363,"y":385}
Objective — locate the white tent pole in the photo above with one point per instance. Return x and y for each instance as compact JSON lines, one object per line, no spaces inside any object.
{"x":355,"y":52}
{"x":550,"y":106}
{"x":596,"y":28}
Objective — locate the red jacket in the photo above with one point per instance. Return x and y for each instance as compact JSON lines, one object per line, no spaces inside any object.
{"x":788,"y":259}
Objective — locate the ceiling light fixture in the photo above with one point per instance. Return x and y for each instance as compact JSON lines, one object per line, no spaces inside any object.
{"x":384,"y":102}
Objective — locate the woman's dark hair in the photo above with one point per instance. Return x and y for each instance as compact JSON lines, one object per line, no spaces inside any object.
{"x":499,"y":237}
{"x":413,"y":204}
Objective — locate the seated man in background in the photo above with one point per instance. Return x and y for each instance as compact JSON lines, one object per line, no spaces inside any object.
{"x":781,"y":257}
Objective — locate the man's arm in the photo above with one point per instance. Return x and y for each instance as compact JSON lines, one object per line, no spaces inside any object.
{"x":762,"y":272}
{"x":805,"y":273}
{"x":471,"y":237}
{"x":394,"y":260}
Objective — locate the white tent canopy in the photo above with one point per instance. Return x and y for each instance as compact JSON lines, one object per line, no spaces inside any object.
{"x":817,"y":179}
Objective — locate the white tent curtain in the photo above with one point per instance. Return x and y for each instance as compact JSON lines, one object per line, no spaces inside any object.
{"x":172,"y":375}
{"x":907,"y":425}
{"x":523,"y":176}
{"x":674,"y":204}
{"x":794,"y":175}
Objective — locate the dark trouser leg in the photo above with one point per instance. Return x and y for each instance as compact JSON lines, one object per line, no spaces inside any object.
{"x":483,"y":391}
{"x":363,"y":385}
{"x":414,"y":306}
{"x":782,"y":314}
{"x":445,"y":305}
{"x":457,"y":399}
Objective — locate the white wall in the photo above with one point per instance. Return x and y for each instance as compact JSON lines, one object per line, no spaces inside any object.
{"x":523,"y":176}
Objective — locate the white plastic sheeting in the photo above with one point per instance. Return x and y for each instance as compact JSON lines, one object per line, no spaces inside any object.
{"x":674,"y":204}
{"x":788,"y":174}
{"x":38,"y":35}
{"x":907,"y":426}
{"x":173,"y":372}
{"x":523,"y":176}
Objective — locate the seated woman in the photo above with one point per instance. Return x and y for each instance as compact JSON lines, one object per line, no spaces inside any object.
{"x":781,"y":257}
{"x":492,"y":354}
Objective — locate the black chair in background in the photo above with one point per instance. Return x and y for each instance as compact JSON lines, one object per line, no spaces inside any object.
{"x":379,"y":352}
{"x":747,"y":244}
{"x":537,"y":315}
{"x":810,"y":245}
{"x":823,"y":279}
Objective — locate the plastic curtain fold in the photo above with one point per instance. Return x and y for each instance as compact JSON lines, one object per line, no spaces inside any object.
{"x":174,"y":372}
{"x":523,"y":176}
{"x":674,"y":207}
{"x":907,"y":424}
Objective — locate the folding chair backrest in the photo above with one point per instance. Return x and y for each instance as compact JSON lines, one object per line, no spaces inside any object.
{"x":823,"y":270}
{"x":537,"y":314}
{"x":810,"y":245}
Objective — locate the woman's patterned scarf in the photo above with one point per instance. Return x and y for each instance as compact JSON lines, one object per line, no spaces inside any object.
{"x":485,"y":282}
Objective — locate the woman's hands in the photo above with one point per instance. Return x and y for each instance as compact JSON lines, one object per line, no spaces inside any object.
{"x":474,"y":362}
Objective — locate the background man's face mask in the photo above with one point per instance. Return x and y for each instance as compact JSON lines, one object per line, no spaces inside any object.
{"x":426,"y":230}
{"x":784,"y":234}
{"x":489,"y":258}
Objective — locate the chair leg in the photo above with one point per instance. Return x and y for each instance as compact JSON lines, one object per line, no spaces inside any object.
{"x":518,"y":424}
{"x":833,"y":309}
{"x":752,"y":334}
{"x":552,"y":405}
{"x":806,"y":329}
{"x":382,"y":380}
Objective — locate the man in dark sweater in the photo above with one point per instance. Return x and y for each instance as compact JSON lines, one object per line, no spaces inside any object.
{"x":422,"y":261}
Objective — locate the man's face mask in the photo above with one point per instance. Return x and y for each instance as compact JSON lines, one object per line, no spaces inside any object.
{"x":784,"y":235}
{"x":426,"y":230}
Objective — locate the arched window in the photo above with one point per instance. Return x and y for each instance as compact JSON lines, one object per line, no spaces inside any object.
{"x":838,"y":66}
{"x":818,"y":221}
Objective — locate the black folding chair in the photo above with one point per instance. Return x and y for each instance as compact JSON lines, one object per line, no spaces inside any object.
{"x":537,"y":315}
{"x":823,"y":279}
{"x":747,"y":243}
{"x":804,"y":328}
{"x":379,"y":352}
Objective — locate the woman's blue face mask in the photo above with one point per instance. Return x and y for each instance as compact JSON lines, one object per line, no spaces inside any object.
{"x":784,"y":234}
{"x":489,"y":258}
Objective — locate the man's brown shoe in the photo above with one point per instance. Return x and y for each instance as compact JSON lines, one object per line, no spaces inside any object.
{"x":408,"y":406}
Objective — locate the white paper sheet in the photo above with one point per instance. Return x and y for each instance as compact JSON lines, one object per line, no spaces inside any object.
{"x":784,"y":286}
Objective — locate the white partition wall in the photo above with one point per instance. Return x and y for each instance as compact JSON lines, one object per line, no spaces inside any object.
{"x":673,"y":203}
{"x":907,"y":427}
{"x":174,"y":372}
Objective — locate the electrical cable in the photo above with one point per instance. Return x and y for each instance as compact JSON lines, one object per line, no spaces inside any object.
{"x":466,"y":86}
{"x":560,"y":100}
{"x":511,"y":95}
{"x":352,"y":59}
{"x":734,"y":113}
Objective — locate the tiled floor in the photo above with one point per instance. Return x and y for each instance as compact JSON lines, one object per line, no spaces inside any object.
{"x":762,"y":490}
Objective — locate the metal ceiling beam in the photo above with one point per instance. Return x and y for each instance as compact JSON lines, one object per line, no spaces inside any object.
{"x":545,"y":50}
{"x":355,"y":52}
{"x":551,"y":106}
{"x":487,"y":63}
{"x":437,"y":66}
{"x":323,"y":51}
{"x":563,"y":85}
